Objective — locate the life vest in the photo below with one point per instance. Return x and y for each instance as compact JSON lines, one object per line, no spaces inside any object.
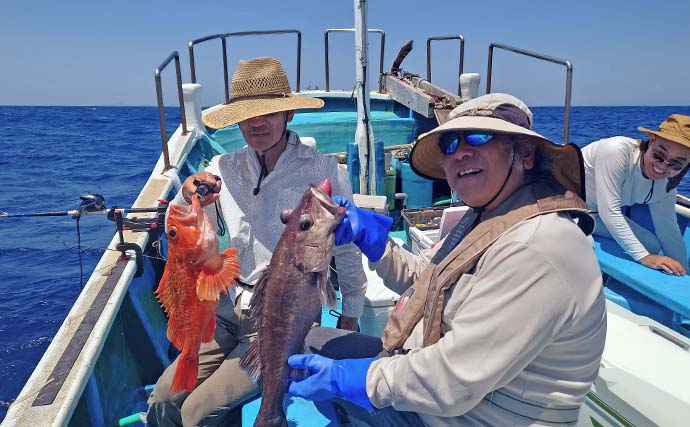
{"x":424,"y":300}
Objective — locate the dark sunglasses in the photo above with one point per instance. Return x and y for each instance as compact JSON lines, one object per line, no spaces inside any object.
{"x":674,"y":165}
{"x":449,"y":141}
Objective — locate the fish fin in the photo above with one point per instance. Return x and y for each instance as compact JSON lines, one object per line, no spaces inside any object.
{"x":324,"y":285}
{"x":163,"y":294}
{"x":210,"y":332}
{"x":172,"y":332}
{"x":251,"y":360}
{"x":186,"y":372}
{"x":257,"y":302}
{"x":214,"y":280}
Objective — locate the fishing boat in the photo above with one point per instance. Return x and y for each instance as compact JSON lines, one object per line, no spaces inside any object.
{"x":102,"y":363}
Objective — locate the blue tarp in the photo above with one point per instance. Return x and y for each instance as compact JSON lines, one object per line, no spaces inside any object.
{"x":672,"y":292}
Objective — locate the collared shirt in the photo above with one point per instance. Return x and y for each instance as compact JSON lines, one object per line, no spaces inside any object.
{"x":253,"y":221}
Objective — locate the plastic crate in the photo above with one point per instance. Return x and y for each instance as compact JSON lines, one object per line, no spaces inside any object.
{"x":422,"y":239}
{"x":422,"y":219}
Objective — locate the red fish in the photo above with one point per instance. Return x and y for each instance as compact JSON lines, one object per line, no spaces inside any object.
{"x":195,"y":275}
{"x":288,"y":297}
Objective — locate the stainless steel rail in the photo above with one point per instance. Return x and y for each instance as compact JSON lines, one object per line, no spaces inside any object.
{"x":352,"y":30}
{"x":223,"y":38}
{"x":161,"y":109}
{"x":462,"y":55}
{"x":568,"y":82}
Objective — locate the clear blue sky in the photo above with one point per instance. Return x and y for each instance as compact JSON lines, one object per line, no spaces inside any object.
{"x":86,"y":52}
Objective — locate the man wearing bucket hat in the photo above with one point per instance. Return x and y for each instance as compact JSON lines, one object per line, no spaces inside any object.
{"x":248,"y":189}
{"x":504,"y":321}
{"x":621,"y":172}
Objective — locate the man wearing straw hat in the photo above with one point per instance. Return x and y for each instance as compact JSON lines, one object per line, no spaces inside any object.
{"x":249,"y":189}
{"x":503,"y":322}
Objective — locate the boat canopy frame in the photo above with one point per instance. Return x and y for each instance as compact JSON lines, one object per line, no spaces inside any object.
{"x":568,"y":80}
{"x":462,"y":56}
{"x":352,"y":30}
{"x":161,"y":108}
{"x":224,"y":36}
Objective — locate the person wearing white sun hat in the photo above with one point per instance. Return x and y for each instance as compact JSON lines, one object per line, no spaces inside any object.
{"x":248,"y":189}
{"x":501,"y":323}
{"x":622,"y":171}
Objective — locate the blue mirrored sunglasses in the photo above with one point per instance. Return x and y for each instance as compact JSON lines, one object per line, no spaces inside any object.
{"x":448,"y":142}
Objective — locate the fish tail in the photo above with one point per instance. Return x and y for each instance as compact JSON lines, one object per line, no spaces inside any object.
{"x":213,"y":280}
{"x":274,"y":418}
{"x":186,"y":372}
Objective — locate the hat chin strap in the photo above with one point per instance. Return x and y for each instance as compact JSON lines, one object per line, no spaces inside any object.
{"x":262,"y":157}
{"x":480,"y":209}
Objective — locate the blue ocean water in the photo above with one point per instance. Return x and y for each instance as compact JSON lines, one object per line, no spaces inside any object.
{"x":51,"y":155}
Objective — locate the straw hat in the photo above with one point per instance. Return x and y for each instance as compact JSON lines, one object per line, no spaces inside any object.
{"x":498,"y":113}
{"x":675,"y":128}
{"x":259,"y":86}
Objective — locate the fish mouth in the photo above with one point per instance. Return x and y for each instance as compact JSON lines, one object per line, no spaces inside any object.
{"x":186,"y":215}
{"x":327,"y":203}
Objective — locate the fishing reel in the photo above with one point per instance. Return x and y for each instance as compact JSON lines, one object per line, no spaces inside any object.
{"x":205,"y":188}
{"x":91,"y":203}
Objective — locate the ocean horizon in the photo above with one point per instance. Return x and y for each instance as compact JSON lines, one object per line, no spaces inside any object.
{"x":53,"y":154}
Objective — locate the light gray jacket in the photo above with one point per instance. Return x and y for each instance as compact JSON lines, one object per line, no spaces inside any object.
{"x":529,"y":323}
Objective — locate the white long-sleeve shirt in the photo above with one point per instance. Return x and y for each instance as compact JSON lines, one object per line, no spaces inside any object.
{"x":613,"y":179}
{"x":253,"y":222}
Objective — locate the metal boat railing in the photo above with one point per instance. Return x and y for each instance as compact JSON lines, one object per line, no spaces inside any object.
{"x":352,"y":30}
{"x":568,"y":82}
{"x":176,"y":57}
{"x":223,"y":38}
{"x":462,"y":55}
{"x":161,"y":109}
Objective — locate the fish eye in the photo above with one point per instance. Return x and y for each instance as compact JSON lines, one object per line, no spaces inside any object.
{"x":172,"y":232}
{"x":305,"y":223}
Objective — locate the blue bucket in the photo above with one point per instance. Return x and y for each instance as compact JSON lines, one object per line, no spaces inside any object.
{"x":419,"y":190}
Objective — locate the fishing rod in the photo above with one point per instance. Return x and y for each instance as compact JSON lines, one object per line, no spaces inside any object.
{"x":94,"y":204}
{"x":90,"y":204}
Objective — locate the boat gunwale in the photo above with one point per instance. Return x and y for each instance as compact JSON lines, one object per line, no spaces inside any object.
{"x":158,"y":186}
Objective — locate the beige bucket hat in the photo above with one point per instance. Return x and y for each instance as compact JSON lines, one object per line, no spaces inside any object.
{"x":675,"y":128}
{"x":498,"y":113}
{"x":259,"y":86}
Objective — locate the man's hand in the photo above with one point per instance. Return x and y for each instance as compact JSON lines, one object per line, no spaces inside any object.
{"x":366,"y":229}
{"x":348,"y":323}
{"x":663,"y":263}
{"x":344,"y":379}
{"x":212,"y":183}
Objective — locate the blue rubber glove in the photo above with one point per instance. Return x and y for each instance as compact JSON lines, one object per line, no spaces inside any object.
{"x":366,"y":229}
{"x":345,"y":379}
